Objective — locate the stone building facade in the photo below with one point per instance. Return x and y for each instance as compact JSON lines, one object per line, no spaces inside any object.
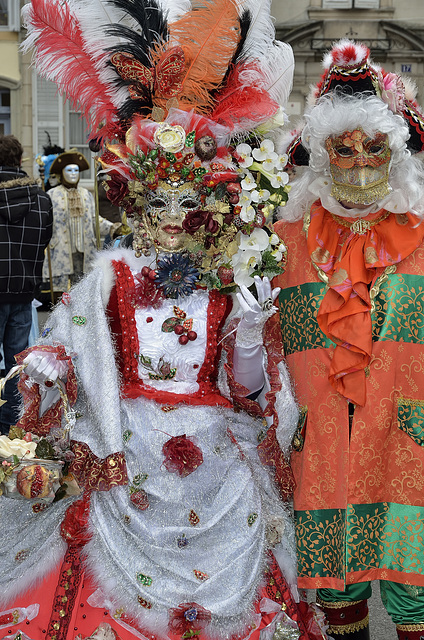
{"x":31,"y":109}
{"x":392,"y":29}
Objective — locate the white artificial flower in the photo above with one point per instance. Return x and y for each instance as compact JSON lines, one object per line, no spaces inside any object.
{"x":16,"y":447}
{"x":245,"y":198}
{"x":269,"y":164}
{"x":244,"y":263}
{"x":275,"y":122}
{"x":279,"y":179}
{"x":244,"y":151}
{"x":264,"y":151}
{"x":169,"y":137}
{"x":281,"y":162}
{"x":277,"y":255}
{"x":247,"y":213}
{"x":260,"y":196}
{"x":274,"y":239}
{"x":257,"y":241}
{"x":249,"y":182}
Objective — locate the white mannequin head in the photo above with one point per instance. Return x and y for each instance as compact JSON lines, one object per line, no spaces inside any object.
{"x":71,"y":174}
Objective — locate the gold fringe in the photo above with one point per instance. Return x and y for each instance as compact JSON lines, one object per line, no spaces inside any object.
{"x":419,"y":626}
{"x":349,"y":628}
{"x":340,"y":604}
{"x":409,"y":402}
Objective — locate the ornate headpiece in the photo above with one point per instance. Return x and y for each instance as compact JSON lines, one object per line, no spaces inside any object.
{"x":178,"y":91}
{"x":349,"y":70}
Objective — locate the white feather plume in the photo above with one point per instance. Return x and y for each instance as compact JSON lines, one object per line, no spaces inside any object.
{"x":261,"y":31}
{"x":174,"y":9}
{"x":274,"y":60}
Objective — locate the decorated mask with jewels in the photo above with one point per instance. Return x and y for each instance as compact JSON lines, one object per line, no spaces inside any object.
{"x":359,"y":166}
{"x":189,"y":192}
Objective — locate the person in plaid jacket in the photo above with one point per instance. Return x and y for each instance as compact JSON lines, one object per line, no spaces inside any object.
{"x":26,"y":222}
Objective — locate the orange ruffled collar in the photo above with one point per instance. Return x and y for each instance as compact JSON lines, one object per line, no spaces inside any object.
{"x":352,"y":254}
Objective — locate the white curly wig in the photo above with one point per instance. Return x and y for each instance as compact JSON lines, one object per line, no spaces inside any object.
{"x":333,"y":114}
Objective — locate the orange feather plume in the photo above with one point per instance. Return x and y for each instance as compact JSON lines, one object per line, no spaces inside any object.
{"x":208,"y":36}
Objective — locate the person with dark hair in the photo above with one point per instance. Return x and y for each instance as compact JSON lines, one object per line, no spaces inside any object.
{"x":26,"y":222}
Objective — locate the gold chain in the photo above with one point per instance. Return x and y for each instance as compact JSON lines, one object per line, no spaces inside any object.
{"x":359,"y":226}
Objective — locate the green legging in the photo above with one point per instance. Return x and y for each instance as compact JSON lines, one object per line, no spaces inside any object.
{"x":404,"y":603}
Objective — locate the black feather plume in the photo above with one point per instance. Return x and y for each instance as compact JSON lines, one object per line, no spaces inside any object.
{"x":152,"y":29}
{"x":245,"y":22}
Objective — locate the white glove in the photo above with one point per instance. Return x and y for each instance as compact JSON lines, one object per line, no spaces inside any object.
{"x":255,"y":312}
{"x":248,"y":365}
{"x":44,"y":368}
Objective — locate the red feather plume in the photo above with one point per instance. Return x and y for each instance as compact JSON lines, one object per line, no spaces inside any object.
{"x":60,"y":56}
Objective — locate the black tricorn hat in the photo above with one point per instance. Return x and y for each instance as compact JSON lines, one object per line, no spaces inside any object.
{"x":349,"y":70}
{"x":69,"y":157}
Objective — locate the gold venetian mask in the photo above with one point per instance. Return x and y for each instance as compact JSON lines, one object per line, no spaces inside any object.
{"x":359,"y":166}
{"x":165,"y":210}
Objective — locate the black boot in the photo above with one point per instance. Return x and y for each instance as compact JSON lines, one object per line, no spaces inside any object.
{"x":347,"y":620}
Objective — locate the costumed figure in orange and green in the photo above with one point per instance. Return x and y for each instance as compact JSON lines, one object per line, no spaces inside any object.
{"x":351,"y":310}
{"x":146,"y":485}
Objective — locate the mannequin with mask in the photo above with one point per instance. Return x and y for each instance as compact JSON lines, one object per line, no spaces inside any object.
{"x":73,"y":243}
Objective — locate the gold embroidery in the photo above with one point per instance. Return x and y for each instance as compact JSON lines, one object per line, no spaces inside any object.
{"x":375,"y":289}
{"x":410,"y":402}
{"x":337,"y":605}
{"x":419,"y":626}
{"x":349,"y":628}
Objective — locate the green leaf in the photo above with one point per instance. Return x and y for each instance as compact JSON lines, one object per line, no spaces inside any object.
{"x":169,"y":324}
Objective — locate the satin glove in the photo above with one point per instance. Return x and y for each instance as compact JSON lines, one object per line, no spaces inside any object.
{"x":44,"y":368}
{"x":248,"y":365}
{"x":255,"y":312}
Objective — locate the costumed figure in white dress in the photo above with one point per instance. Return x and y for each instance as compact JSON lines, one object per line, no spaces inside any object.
{"x":73,"y":244}
{"x":159,"y":379}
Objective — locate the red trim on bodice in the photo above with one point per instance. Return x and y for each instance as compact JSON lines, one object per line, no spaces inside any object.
{"x":121,"y":312}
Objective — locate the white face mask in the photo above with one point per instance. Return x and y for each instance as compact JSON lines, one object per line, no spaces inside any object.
{"x":71,"y":173}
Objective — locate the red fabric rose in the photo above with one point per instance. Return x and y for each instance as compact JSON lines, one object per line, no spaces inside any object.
{"x":194,"y":220}
{"x":74,"y":527}
{"x":116,"y":189}
{"x":189,"y":616}
{"x":182,"y":456}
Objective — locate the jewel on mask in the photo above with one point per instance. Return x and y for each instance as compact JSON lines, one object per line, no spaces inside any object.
{"x":205,"y":148}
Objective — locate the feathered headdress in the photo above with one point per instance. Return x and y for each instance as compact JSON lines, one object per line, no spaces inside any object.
{"x":349,"y":69}
{"x":176,"y":91}
{"x":120,"y":58}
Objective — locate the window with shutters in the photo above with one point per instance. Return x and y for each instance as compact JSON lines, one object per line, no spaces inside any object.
{"x":55,"y":121}
{"x":9,"y":15}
